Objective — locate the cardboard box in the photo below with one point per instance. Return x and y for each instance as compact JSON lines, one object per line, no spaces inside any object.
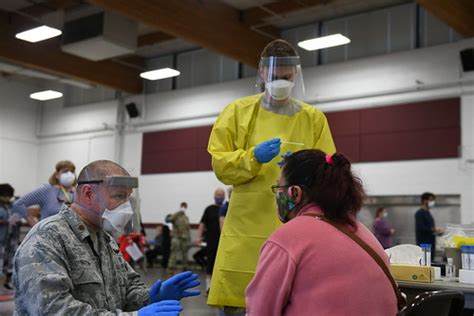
{"x":412,"y":273}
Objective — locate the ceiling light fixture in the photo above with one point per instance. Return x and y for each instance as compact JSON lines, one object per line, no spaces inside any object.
{"x":46,"y":95}
{"x":38,"y":34}
{"x":162,"y":73}
{"x":324,"y":42}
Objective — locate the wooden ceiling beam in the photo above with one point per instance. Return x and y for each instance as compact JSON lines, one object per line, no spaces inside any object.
{"x":210,"y":24}
{"x":39,"y":9}
{"x":47,"y":57}
{"x":458,"y":14}
{"x":153,"y":38}
{"x":256,"y":15}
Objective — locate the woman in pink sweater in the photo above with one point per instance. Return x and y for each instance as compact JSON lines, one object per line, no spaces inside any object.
{"x":309,"y":267}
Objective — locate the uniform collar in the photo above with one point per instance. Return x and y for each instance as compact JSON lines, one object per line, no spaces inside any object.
{"x":75,"y":222}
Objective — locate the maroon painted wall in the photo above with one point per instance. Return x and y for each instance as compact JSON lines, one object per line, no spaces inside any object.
{"x":422,"y":130}
{"x":177,"y":150}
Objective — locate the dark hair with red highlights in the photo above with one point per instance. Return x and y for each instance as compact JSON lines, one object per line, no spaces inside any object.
{"x":333,"y":187}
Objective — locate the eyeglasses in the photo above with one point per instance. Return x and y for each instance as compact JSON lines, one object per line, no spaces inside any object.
{"x":276,"y":187}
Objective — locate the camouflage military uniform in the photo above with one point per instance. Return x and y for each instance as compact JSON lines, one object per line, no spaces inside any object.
{"x":181,"y":239}
{"x":63,"y":269}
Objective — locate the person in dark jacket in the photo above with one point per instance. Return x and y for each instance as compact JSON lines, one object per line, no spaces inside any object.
{"x":425,"y":227}
{"x":162,"y":247}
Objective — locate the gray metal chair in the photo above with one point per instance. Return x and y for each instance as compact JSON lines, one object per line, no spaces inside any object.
{"x":436,"y":303}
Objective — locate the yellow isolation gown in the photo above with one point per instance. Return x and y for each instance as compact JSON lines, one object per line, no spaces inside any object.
{"x":252,"y":214}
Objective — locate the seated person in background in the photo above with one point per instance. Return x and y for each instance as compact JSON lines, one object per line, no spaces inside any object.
{"x":224,"y":208}
{"x":309,"y":266}
{"x":161,"y":247}
{"x":125,"y":241}
{"x":382,"y":229}
{"x":69,"y":265}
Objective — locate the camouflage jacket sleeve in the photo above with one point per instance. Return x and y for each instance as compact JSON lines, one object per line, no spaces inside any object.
{"x":137,"y":294}
{"x":43,"y":282}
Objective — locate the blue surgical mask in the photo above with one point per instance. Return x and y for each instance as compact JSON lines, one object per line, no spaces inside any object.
{"x":285,"y":205}
{"x":219,"y":200}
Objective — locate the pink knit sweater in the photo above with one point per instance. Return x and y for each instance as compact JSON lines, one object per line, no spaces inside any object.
{"x":308,"y":267}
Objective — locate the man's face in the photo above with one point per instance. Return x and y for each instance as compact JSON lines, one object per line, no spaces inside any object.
{"x":98,"y":197}
{"x":219,"y":194}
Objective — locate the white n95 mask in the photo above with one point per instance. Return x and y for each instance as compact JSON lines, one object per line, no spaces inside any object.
{"x":115,"y":220}
{"x":67,"y":178}
{"x":279,"y":89}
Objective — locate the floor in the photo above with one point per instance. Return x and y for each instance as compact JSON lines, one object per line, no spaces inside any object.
{"x":195,"y":306}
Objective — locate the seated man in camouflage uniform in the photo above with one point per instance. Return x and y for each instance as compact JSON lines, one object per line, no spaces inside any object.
{"x":68,"y":264}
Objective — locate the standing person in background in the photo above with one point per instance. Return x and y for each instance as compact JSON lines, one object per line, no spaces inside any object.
{"x":9,"y":233}
{"x":245,"y":142}
{"x":49,"y":197}
{"x":6,"y":195}
{"x":425,"y":227}
{"x":181,"y":238}
{"x":209,"y":231}
{"x":224,"y":208}
{"x":382,"y":229}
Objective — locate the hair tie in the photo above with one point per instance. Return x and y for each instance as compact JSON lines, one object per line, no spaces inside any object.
{"x":329,"y":160}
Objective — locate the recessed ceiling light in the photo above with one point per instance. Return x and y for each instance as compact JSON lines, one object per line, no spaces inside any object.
{"x":38,"y":34}
{"x":160,"y":74}
{"x":324,"y":42}
{"x":46,"y":95}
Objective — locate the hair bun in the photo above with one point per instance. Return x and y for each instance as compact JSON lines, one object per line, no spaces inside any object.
{"x":340,"y":160}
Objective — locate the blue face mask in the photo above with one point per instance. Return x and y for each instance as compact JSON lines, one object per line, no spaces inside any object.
{"x":285,"y":205}
{"x":219,"y":200}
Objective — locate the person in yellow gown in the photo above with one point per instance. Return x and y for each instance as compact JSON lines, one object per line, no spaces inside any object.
{"x":246,"y":142}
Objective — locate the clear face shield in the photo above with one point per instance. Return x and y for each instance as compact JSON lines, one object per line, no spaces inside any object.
{"x":118,"y":211}
{"x":280,"y":79}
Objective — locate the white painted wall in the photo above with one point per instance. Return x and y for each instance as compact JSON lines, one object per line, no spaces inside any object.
{"x":80,"y":134}
{"x":423,"y":74}
{"x":18,"y":144}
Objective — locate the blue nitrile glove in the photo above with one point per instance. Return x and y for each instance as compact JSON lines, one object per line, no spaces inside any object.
{"x":266,"y":151}
{"x":284,"y":156}
{"x":163,"y":308}
{"x":175,"y":287}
